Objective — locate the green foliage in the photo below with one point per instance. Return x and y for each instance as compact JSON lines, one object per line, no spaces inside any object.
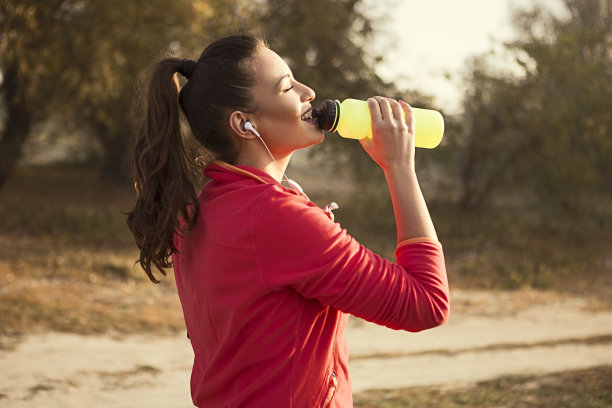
{"x":29,"y":33}
{"x":81,"y":59}
{"x":548,"y":133}
{"x":140,"y":32}
{"x":32,"y":32}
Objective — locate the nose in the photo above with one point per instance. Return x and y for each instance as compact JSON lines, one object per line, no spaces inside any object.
{"x":307,"y":94}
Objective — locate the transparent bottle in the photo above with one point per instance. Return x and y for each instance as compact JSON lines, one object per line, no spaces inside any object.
{"x":352,"y":120}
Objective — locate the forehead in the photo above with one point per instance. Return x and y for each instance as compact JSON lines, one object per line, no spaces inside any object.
{"x":269,"y":67}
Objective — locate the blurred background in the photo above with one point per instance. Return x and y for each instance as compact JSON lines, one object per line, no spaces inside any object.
{"x":520,"y":189}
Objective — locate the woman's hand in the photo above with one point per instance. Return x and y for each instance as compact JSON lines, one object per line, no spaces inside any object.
{"x":392,"y":143}
{"x":392,"y":147}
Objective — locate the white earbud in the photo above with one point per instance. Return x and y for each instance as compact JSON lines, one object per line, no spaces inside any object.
{"x":248,"y":126}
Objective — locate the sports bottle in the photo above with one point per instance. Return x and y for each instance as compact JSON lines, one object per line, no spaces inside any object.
{"x":352,"y":120}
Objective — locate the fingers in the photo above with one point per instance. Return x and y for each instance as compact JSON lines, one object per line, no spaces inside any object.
{"x":383,"y":108}
{"x":409,"y":116}
{"x":392,"y":139}
{"x":380,"y":109}
{"x":374,"y":109}
{"x":397,"y":111}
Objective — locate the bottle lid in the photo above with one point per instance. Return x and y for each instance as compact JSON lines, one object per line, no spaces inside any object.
{"x":327,"y":115}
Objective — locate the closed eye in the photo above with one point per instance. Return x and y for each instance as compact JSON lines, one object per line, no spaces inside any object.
{"x":288,"y":89}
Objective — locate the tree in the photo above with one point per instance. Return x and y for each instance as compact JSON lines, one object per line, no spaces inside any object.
{"x":82,"y":58}
{"x":547,"y":133}
{"x":493,"y":140}
{"x":141,"y":31}
{"x":32,"y":51}
{"x":572,"y":70}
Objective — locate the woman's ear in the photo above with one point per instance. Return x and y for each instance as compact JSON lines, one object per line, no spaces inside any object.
{"x":237,"y":120}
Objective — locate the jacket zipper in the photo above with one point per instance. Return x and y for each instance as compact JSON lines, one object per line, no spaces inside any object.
{"x":333,"y":384}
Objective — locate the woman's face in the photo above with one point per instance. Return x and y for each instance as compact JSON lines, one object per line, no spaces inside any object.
{"x":283,"y":116}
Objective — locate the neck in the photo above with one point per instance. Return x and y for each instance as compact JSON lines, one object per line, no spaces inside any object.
{"x":263,"y":161}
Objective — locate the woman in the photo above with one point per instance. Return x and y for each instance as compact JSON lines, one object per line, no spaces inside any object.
{"x":265,"y":277}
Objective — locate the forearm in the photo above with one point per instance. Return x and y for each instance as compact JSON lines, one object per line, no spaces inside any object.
{"x":412,"y":217}
{"x":392,"y":147}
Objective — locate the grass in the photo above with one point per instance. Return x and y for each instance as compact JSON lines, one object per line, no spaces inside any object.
{"x":512,"y":248}
{"x":572,"y":389}
{"x":67,"y":258}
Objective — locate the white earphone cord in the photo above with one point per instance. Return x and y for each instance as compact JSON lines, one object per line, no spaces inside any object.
{"x":285,"y":178}
{"x":249,"y":126}
{"x":294,"y":185}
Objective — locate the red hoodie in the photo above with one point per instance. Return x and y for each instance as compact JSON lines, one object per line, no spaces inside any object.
{"x":266,"y":280}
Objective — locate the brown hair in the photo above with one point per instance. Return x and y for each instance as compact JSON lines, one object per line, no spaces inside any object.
{"x":162,"y":166}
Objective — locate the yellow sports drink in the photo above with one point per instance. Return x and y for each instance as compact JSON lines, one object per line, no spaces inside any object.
{"x":352,"y":120}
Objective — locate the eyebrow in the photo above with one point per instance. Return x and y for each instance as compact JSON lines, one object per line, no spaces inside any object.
{"x":281,"y":79}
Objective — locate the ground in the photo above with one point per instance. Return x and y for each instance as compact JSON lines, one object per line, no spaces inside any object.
{"x":81,"y":326}
{"x":521,"y":340}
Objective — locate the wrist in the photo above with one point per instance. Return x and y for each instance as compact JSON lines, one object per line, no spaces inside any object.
{"x":402,"y":169}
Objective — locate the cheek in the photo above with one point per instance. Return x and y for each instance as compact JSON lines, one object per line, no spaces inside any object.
{"x":284,"y":111}
{"x":285,"y":115}
{"x":291,"y":110}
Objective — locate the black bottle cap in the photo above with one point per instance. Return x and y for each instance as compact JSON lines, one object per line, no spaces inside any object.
{"x":327,"y":115}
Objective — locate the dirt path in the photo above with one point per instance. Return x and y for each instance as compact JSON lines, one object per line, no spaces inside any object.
{"x":489,"y":334}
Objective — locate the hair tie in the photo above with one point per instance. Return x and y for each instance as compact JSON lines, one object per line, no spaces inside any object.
{"x":186,"y":68}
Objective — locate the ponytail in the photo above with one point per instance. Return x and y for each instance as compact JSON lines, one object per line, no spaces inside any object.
{"x":162,"y":166}
{"x":163,"y":172}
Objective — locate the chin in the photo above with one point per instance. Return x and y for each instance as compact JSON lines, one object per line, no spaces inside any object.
{"x":316,"y":138}
{"x":321,"y":137}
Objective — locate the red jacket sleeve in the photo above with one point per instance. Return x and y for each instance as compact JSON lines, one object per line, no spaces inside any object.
{"x":298,"y":246}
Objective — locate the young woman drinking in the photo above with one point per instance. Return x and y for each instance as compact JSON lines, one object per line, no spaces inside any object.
{"x":265,"y":277}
